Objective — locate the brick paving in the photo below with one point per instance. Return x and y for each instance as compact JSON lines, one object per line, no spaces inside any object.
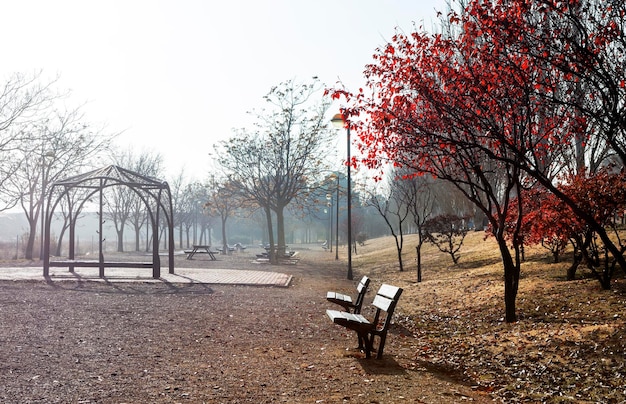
{"x":181,"y":275}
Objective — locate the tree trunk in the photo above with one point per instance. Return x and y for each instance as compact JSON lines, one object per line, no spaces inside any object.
{"x":581,"y":252}
{"x":615,"y":252}
{"x":202,"y":235}
{"x":58,"y":248}
{"x":612,"y":248}
{"x":399,"y":251}
{"x":511,"y":279}
{"x":270,"y":234}
{"x":571,"y":271}
{"x":418,"y":250}
{"x":225,"y":248}
{"x":280,"y":231}
{"x":120,"y":239}
{"x":30,"y":244}
{"x":137,"y":238}
{"x":147,"y":237}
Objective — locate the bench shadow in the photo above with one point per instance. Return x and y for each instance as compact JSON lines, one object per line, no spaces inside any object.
{"x":387,"y":365}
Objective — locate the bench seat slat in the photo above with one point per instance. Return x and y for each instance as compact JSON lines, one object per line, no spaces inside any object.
{"x":352,"y":321}
{"x":344,"y":316}
{"x":338,"y":297}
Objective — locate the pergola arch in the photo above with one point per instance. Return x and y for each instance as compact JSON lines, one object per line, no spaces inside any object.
{"x":154,"y":193}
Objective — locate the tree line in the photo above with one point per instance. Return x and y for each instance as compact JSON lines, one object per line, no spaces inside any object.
{"x":279,"y":168}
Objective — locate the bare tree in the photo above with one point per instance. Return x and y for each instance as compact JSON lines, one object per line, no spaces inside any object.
{"x":421,"y":209}
{"x":192,"y":214}
{"x":224,"y":199}
{"x":447,"y":233}
{"x":187,"y":209}
{"x":66,"y":207}
{"x":124,"y":206}
{"x":180,"y":195}
{"x":276,"y":162}
{"x":149,"y":164}
{"x":393,"y":203}
{"x":22,"y":99}
{"x":59,"y":146}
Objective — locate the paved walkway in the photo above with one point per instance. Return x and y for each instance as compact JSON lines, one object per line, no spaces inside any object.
{"x":182,"y":275}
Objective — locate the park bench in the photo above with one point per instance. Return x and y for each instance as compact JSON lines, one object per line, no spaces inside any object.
{"x":346,"y":302}
{"x":221,"y":249}
{"x":385,"y":304}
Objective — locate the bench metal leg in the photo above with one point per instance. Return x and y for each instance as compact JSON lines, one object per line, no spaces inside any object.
{"x":362,"y":344}
{"x":366,"y":343}
{"x":381,"y":345}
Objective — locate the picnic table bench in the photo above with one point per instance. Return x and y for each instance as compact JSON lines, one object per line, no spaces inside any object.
{"x":200,"y":249}
{"x":385,"y":303}
{"x":290,"y":257}
{"x":346,"y":301}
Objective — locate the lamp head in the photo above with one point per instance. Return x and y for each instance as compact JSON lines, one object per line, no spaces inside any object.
{"x":338,"y":121}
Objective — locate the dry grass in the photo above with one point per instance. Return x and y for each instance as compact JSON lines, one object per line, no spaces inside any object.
{"x":568,"y":344}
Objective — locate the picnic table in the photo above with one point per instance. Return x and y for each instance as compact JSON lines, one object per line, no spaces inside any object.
{"x":201,"y":249}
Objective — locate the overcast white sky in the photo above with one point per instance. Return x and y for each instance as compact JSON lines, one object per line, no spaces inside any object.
{"x":178,"y":75}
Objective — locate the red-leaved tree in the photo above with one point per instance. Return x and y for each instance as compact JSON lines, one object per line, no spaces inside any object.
{"x":491,"y":108}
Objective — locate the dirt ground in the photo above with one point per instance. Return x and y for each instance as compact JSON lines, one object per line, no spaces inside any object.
{"x":142,"y":342}
{"x":88,"y":342}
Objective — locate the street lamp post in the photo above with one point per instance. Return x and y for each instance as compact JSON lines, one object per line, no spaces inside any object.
{"x":329,"y":198}
{"x":337,"y":223}
{"x":339,"y":122}
{"x":335,"y":177}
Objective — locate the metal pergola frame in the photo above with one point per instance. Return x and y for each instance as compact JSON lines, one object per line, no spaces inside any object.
{"x":154,"y":193}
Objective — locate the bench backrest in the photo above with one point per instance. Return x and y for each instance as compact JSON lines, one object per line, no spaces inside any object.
{"x":386,"y":300}
{"x":362,"y":289}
